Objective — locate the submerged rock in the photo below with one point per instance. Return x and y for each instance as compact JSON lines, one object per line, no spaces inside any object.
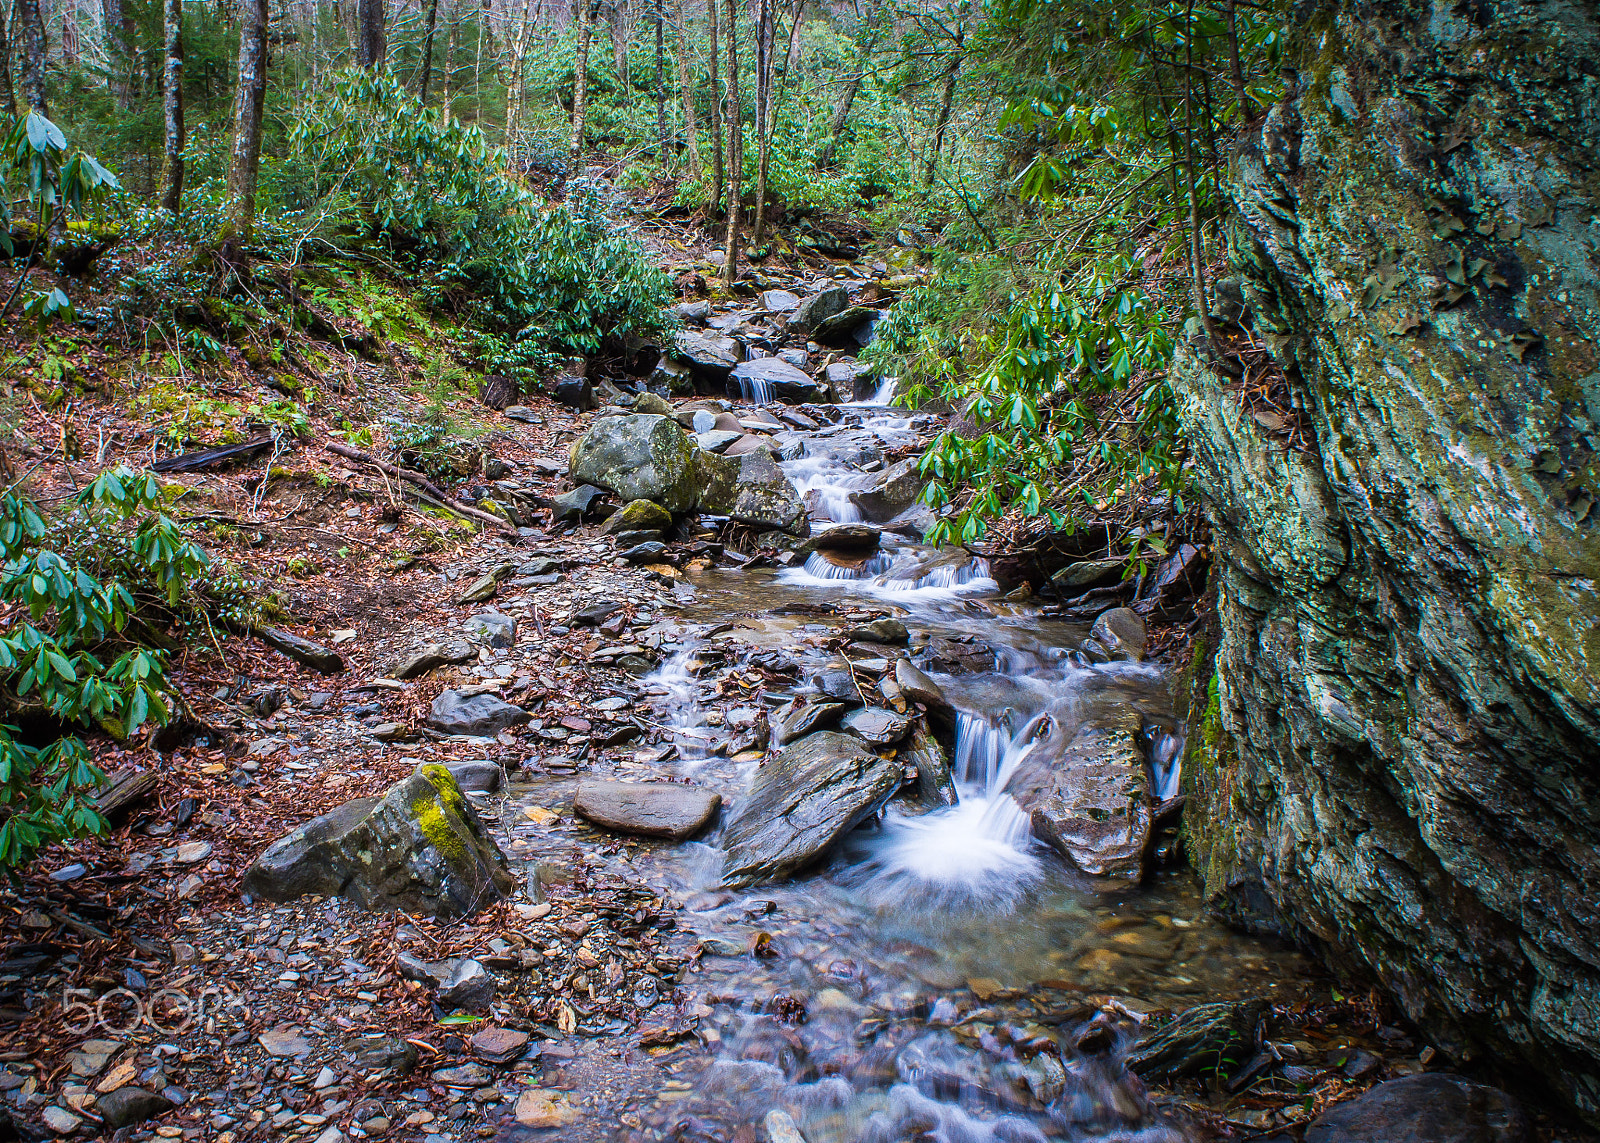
{"x":800,"y":803}
{"x":418,"y":849}
{"x":1091,"y":802}
{"x":652,"y":809}
{"x":639,"y":457}
{"x":1429,"y":1108}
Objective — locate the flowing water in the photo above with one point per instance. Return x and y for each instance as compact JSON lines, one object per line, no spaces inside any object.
{"x":932,"y":980}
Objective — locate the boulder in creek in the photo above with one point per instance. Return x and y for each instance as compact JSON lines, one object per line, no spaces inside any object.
{"x":637,"y":516}
{"x":802,"y":801}
{"x":818,"y":308}
{"x":747,"y":444}
{"x":651,"y":809}
{"x":1427,"y":1108}
{"x":751,"y":489}
{"x":576,"y":504}
{"x":1091,"y":800}
{"x":853,"y":539}
{"x":804,"y":719}
{"x":1206,"y":1039}
{"x":876,"y":725}
{"x":936,"y":787}
{"x":420,"y":848}
{"x":890,"y":631}
{"x":1117,"y":634}
{"x":639,"y":456}
{"x":717,"y":440}
{"x":482,"y":716}
{"x":916,"y":686}
{"x":707,"y":354}
{"x":648,"y":402}
{"x":893,"y":491}
{"x":780,"y":379}
{"x":850,"y":326}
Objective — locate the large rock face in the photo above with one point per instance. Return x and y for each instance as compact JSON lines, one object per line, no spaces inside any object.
{"x":1397,"y":761}
{"x":419,"y":849}
{"x":751,"y":489}
{"x":639,"y":457}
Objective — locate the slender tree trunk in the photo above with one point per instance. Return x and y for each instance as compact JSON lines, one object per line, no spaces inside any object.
{"x":30,"y":33}
{"x":172,"y":104}
{"x":120,"y":43}
{"x":372,"y":45}
{"x":661,"y":93}
{"x":515,"y":95}
{"x":425,"y":69}
{"x":8,"y":91}
{"x":450,"y":57}
{"x":621,"y":33}
{"x":730,"y":265}
{"x":477,"y":69}
{"x":716,"y":113}
{"x":580,"y":75}
{"x":691,"y":129}
{"x":852,"y":86}
{"x":942,"y":121}
{"x":791,"y":59}
{"x":249,"y":101}
{"x":764,"y":67}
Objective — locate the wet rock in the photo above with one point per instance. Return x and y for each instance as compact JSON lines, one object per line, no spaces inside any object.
{"x":497,"y":628}
{"x":419,"y":849}
{"x":1075,"y":577}
{"x":801,"y":802}
{"x":129,"y":1105}
{"x":476,"y":777}
{"x":1429,"y":1108}
{"x":1091,"y":801}
{"x":894,"y":490}
{"x":1203,"y":1040}
{"x":837,"y":683}
{"x":818,"y":308}
{"x":482,"y":716}
{"x":576,"y":504}
{"x":751,"y":489}
{"x":707,"y":354}
{"x":637,"y":516}
{"x":890,"y":631}
{"x":876,"y":725}
{"x":652,"y":809}
{"x":430,"y":656}
{"x":847,"y":327}
{"x":850,"y":539}
{"x":648,"y":402}
{"x":782,"y":380}
{"x":463,"y":1076}
{"x":639,"y":457}
{"x":936,"y":785}
{"x":781,"y":1128}
{"x":1118,"y":634}
{"x":918,"y":687}
{"x":541,"y":1109}
{"x":469,"y":987}
{"x":805,"y":719}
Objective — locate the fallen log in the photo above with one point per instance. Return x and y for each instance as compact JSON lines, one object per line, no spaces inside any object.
{"x":314,"y":655}
{"x":418,"y":480}
{"x":191,"y":461}
{"x":127,"y":787}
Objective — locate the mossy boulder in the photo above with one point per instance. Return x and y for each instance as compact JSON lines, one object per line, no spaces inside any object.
{"x":751,"y":489}
{"x":638,"y":516}
{"x":639,"y":457}
{"x":420,"y":848}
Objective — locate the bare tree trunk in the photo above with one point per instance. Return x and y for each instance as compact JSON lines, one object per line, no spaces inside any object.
{"x":372,"y":45}
{"x":425,"y":68}
{"x":172,"y":104}
{"x":450,"y":56}
{"x":691,"y":129}
{"x":515,"y":94}
{"x":791,"y":59}
{"x":764,"y":62}
{"x":946,"y":100}
{"x":249,"y":101}
{"x":120,"y":43}
{"x":716,"y":114}
{"x":730,"y":265}
{"x":30,"y":32}
{"x":661,"y":93}
{"x":621,"y":34}
{"x":580,"y":74}
{"x":8,"y":91}
{"x":841,"y":112}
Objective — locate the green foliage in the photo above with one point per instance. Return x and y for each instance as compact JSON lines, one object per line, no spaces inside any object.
{"x":88,"y":584}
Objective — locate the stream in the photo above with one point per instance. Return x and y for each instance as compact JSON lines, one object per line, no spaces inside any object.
{"x":943,"y":975}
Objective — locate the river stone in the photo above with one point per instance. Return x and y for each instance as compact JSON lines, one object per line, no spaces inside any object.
{"x":752,"y":489}
{"x":936,"y":787}
{"x":1428,"y":1108}
{"x":637,"y":516}
{"x":1087,"y":573}
{"x":652,"y":809}
{"x":916,"y":686}
{"x":856,"y":539}
{"x":748,"y":444}
{"x":878,"y":631}
{"x":845,"y":326}
{"x":497,"y":628}
{"x":707,"y":354}
{"x":807,"y":718}
{"x":576,"y":504}
{"x":1120,"y":633}
{"x":469,"y":987}
{"x":479,"y":776}
{"x":480,"y":715}
{"x":837,"y":682}
{"x":893,"y":491}
{"x":844,"y":377}
{"x":817,"y":308}
{"x":648,"y":402}
{"x":129,"y":1105}
{"x":788,"y":383}
{"x":1203,"y":1040}
{"x":649,"y":552}
{"x":802,"y":801}
{"x":378,"y":1055}
{"x":877,"y":726}
{"x":639,"y":457}
{"x":717,"y":440}
{"x":1090,"y":803}
{"x":420,"y":848}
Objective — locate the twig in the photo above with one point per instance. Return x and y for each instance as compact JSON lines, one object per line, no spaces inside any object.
{"x":439,"y":496}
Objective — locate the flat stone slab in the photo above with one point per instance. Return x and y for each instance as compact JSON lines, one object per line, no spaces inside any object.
{"x":651,"y":809}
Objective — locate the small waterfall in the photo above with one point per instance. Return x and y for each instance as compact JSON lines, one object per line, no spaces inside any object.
{"x":901,"y":578}
{"x":1166,"y":763}
{"x":825,"y":485}
{"x":756,"y":390}
{"x":820,"y":566}
{"x":681,"y":713}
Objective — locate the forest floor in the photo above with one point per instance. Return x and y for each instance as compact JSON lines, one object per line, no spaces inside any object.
{"x":133,"y":965}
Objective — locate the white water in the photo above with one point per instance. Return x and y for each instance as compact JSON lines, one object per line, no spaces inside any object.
{"x":894,"y":579}
{"x":884,"y":395}
{"x":683,"y":716}
{"x":832,"y":482}
{"x":756,"y":390}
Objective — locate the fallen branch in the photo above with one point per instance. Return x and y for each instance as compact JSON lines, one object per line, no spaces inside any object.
{"x":418,"y":480}
{"x":314,"y":655}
